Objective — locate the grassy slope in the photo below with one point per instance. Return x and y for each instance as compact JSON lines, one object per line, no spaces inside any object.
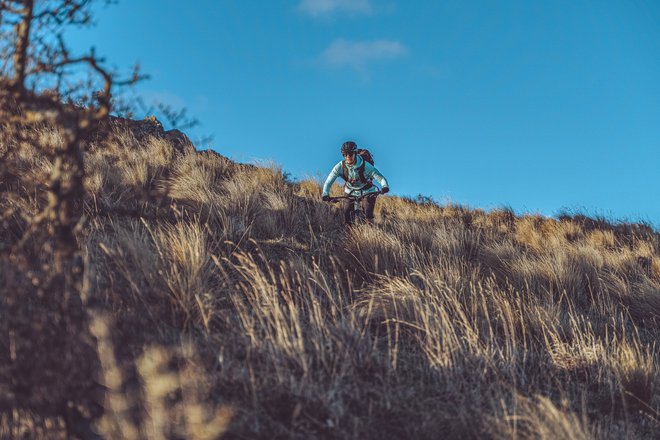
{"x":233,"y":294}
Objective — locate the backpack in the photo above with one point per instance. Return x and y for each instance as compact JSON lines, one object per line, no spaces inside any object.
{"x":366,"y":157}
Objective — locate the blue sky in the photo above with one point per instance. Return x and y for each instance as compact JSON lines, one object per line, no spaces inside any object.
{"x":536,"y":105}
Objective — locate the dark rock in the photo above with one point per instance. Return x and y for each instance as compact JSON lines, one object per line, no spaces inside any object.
{"x":142,"y":130}
{"x":179,"y":141}
{"x":149,"y":126}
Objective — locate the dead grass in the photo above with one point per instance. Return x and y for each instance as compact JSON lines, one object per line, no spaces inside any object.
{"x":235,"y":302}
{"x":540,"y":418}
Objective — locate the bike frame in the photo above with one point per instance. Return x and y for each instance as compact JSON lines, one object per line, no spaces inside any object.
{"x":358,"y":212}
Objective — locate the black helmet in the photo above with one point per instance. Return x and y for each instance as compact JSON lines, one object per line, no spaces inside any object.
{"x":348,"y":147}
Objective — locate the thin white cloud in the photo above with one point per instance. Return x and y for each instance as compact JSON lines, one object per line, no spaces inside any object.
{"x":359,"y":54}
{"x":153,"y":97}
{"x":318,"y":8}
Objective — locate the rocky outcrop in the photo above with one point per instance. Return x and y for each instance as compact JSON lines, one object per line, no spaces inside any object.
{"x":179,"y":141}
{"x":143,"y":129}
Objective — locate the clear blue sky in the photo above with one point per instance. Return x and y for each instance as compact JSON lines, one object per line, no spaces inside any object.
{"x":536,"y":105}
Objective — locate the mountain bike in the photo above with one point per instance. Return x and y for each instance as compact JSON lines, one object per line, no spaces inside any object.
{"x":357,"y":214}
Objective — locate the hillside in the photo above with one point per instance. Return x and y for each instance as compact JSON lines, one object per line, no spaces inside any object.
{"x":224,"y":299}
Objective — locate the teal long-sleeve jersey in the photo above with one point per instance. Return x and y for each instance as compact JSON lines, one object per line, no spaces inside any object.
{"x":370,"y":173}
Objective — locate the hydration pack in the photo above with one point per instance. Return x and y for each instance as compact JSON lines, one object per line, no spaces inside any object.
{"x":366,"y":157}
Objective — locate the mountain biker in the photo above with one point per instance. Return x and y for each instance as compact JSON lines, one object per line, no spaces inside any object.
{"x":360,"y":174}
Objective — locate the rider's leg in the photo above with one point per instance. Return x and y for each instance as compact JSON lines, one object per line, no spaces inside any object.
{"x":369,"y":210}
{"x":348,"y":208}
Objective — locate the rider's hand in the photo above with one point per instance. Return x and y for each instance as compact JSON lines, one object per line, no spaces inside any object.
{"x":384,"y":190}
{"x":325,"y":197}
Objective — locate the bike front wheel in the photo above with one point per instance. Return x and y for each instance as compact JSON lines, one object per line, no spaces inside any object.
{"x":358,"y":217}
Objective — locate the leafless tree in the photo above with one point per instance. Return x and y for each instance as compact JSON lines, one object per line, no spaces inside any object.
{"x":43,"y":84}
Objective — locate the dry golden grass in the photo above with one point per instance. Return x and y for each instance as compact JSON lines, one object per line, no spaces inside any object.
{"x":235,"y":302}
{"x":540,"y":418}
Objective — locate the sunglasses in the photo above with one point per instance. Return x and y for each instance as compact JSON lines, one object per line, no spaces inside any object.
{"x":349,"y":154}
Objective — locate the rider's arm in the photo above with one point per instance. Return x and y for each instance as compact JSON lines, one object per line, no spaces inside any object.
{"x":336,"y":172}
{"x":372,"y":173}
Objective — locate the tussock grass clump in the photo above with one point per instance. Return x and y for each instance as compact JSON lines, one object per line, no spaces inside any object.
{"x":540,"y":418}
{"x":227,"y":300}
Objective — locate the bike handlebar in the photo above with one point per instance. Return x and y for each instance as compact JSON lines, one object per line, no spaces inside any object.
{"x":352,"y":197}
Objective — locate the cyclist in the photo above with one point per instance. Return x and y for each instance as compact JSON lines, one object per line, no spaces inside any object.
{"x":358,"y":174}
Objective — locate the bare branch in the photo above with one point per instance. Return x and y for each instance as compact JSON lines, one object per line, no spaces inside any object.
{"x":22,"y":43}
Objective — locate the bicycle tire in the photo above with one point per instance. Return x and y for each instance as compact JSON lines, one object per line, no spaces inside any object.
{"x":358,"y":217}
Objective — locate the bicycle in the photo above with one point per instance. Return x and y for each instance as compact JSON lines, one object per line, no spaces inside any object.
{"x":357,"y":214}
